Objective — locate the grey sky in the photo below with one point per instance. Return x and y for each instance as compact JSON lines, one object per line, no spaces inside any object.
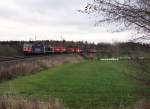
{"x":51,"y":19}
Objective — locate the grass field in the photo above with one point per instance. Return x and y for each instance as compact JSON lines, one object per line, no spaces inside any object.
{"x":85,"y":85}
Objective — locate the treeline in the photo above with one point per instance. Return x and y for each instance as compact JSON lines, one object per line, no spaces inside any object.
{"x":13,"y":48}
{"x":123,"y":49}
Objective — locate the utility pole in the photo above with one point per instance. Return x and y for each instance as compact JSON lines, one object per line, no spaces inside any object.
{"x":61,"y":38}
{"x":35,"y":37}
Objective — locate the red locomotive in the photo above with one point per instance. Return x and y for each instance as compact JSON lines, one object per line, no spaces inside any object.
{"x":58,"y":49}
{"x":27,"y":49}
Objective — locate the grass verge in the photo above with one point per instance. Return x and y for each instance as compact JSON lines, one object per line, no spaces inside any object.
{"x":85,"y":85}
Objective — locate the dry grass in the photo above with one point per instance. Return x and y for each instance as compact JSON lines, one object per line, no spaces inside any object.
{"x":13,"y":102}
{"x":29,"y":67}
{"x":142,"y":104}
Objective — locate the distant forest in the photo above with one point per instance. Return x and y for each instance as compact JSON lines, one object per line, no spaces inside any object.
{"x":14,"y":48}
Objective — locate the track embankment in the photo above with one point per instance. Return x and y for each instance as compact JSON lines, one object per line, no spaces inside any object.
{"x":31,"y":66}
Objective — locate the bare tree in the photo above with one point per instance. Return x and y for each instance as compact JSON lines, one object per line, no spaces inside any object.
{"x":132,"y":13}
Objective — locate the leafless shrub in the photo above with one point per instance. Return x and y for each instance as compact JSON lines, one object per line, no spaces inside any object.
{"x":17,"y":102}
{"x":141,"y":104}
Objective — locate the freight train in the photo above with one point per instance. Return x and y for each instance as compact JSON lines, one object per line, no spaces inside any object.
{"x":41,"y":48}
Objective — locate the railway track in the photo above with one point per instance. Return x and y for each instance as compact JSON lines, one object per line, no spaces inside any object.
{"x":14,"y":59}
{"x":5,"y":59}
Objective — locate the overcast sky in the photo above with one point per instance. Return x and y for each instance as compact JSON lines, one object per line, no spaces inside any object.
{"x":52,"y":20}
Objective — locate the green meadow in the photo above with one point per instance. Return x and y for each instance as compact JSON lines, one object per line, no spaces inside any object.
{"x":85,"y":85}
